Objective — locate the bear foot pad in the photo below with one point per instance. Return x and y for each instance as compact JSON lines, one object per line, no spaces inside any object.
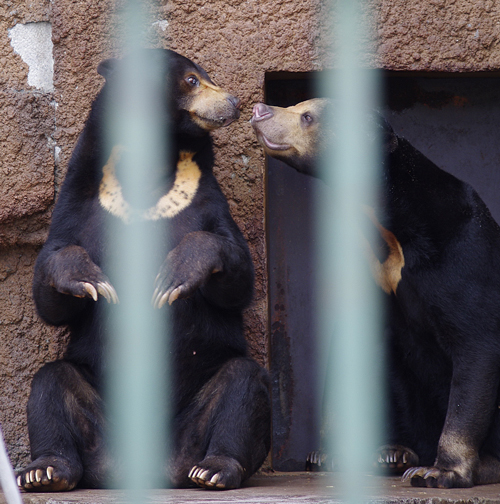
{"x":217,"y":473}
{"x":46,"y":475}
{"x":395,"y":459}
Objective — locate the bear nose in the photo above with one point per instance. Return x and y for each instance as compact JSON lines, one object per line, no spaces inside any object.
{"x":235,"y":102}
{"x":262,"y":111}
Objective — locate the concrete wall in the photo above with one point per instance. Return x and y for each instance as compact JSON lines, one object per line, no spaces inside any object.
{"x":46,"y":91}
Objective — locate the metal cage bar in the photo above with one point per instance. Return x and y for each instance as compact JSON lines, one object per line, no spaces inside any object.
{"x":350,"y":317}
{"x":138,"y":346}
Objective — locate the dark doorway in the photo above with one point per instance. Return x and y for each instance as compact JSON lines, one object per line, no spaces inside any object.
{"x":453,"y":120}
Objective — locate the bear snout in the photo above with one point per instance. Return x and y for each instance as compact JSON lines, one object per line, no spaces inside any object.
{"x":261,"y":111}
{"x":234,"y":113}
{"x":235,"y":102}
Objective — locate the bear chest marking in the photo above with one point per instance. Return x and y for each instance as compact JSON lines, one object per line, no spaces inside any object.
{"x":387,"y":274}
{"x":179,"y":197}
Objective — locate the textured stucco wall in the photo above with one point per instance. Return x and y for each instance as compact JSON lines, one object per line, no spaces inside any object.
{"x":237,"y":41}
{"x":439,"y":35}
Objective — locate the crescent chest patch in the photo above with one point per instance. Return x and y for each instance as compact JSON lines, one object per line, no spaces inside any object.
{"x":179,"y":197}
{"x":386,"y":274}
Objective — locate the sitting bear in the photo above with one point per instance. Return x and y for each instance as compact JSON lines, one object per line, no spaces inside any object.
{"x":441,"y":274}
{"x":220,"y":403}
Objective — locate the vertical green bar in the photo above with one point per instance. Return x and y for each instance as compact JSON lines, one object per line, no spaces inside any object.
{"x":138,"y":346}
{"x":352,"y":328}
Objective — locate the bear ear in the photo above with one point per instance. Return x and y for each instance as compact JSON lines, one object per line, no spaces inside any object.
{"x":107,"y":67}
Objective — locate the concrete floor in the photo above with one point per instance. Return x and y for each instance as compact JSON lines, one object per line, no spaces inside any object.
{"x":283,"y":488}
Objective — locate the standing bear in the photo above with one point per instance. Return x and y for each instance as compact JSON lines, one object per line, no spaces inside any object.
{"x":440,"y":269}
{"x":220,"y":403}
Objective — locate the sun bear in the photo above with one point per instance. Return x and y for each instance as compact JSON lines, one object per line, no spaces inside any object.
{"x":221,"y":409}
{"x":441,"y":275}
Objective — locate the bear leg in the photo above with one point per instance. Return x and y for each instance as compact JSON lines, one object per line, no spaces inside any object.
{"x":65,"y":425}
{"x":225,"y":436}
{"x":472,"y":407}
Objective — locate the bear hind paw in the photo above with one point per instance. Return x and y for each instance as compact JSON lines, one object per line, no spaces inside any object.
{"x":435,"y":477}
{"x":44,"y":475}
{"x":217,"y":473}
{"x":395,"y":459}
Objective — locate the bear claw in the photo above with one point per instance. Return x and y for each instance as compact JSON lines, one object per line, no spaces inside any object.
{"x":36,"y":478}
{"x":105,"y":289}
{"x":173,"y":295}
{"x":318,"y":460}
{"x":91,"y":290}
{"x":217,"y":473}
{"x":434,"y":477}
{"x":160,"y":297}
{"x":423,"y":472}
{"x":200,"y":476}
{"x":44,"y":479}
{"x":395,"y":459}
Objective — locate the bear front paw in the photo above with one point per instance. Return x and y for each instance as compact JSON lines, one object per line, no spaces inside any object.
{"x":71,"y":271}
{"x":187,"y":267}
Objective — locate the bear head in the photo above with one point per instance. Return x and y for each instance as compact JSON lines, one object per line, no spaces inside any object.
{"x":293,"y":134}
{"x":298,"y":135}
{"x":194,"y":104}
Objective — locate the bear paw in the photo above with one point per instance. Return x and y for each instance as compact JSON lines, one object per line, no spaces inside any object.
{"x":395,"y":459}
{"x":319,"y":461}
{"x":188,"y":267}
{"x":48,"y":475}
{"x":434,"y":477}
{"x":71,"y":271}
{"x":217,"y":473}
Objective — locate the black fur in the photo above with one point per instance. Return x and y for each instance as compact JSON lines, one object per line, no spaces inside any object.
{"x":443,"y":318}
{"x":444,"y":334}
{"x":206,"y":263}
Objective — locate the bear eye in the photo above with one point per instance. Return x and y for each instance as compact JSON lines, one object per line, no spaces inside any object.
{"x":193,"y":80}
{"x":307,"y":118}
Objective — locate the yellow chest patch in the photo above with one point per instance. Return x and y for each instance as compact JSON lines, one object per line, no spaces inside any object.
{"x":388,"y":273}
{"x":179,"y":197}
